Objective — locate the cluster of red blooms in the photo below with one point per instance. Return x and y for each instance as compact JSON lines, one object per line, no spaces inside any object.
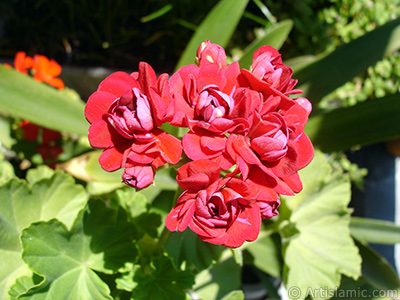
{"x":43,"y":70}
{"x":245,"y":138}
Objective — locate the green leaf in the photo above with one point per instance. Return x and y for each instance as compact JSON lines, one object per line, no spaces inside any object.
{"x":378,"y":281}
{"x":377,"y":270}
{"x":100,"y":239}
{"x":375,"y":231}
{"x":234,"y":295}
{"x":266,"y":253}
{"x":220,"y":279}
{"x":336,"y":68}
{"x":21,"y":204}
{"x":6,"y":170}
{"x":323,"y":248}
{"x":188,"y":247}
{"x":361,"y":124}
{"x":162,"y":282}
{"x":23,"y":97}
{"x":274,"y":36}
{"x":217,"y":27}
{"x":39,"y":173}
{"x":5,"y":132}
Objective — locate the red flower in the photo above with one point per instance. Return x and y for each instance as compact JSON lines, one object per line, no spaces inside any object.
{"x":275,"y":144}
{"x":269,"y":74}
{"x":21,"y":62}
{"x":203,"y":98}
{"x":124,"y":114}
{"x":220,"y":211}
{"x":46,"y":70}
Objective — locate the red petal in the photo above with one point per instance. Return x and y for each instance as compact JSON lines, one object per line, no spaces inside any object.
{"x":175,"y":221}
{"x":170,"y":147}
{"x":245,"y":228}
{"x":111,"y":159}
{"x":118,"y":83}
{"x":97,"y":105}
{"x":99,"y":135}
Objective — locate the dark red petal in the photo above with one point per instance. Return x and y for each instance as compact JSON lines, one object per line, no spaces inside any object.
{"x":97,"y":105}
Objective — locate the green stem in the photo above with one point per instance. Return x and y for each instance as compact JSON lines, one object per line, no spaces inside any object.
{"x":166,"y":232}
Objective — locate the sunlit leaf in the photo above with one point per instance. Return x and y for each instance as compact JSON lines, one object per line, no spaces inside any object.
{"x":234,"y":295}
{"x":322,"y":250}
{"x":21,"y":204}
{"x":100,"y":239}
{"x":217,"y":27}
{"x":219,"y":279}
{"x":23,"y":97}
{"x":266,"y":254}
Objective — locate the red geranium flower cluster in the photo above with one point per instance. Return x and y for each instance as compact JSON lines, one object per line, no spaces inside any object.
{"x":245,"y":138}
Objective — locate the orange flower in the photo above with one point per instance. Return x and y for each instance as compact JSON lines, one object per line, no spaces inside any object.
{"x":21,"y":62}
{"x":46,"y":70}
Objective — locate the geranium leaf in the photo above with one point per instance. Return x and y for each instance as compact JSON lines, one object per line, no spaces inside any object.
{"x":40,"y":103}
{"x":186,"y":246}
{"x":266,"y":254}
{"x":6,"y":169}
{"x":274,"y":36}
{"x":22,"y":204}
{"x":39,"y":173}
{"x":234,"y":295}
{"x":163,"y":282}
{"x":322,"y":249}
{"x":101,"y":239}
{"x":219,"y":279}
{"x":217,"y":27}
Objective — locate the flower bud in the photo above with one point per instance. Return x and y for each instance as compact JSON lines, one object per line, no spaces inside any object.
{"x":139,"y":176}
{"x":209,"y":53}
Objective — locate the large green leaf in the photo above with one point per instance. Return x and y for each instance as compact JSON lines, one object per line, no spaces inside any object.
{"x":217,"y":27}
{"x":375,"y":231}
{"x":266,"y":254}
{"x":22,"y":203}
{"x":100,"y":239}
{"x":163,"y":282}
{"x":188,"y":247}
{"x":378,"y":281}
{"x":275,"y":37}
{"x":219,"y":279}
{"x":23,"y":97}
{"x":322,"y":249}
{"x":366,"y":123}
{"x":333,"y":70}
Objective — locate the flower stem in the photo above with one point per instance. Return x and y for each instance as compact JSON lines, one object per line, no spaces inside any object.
{"x":166,"y":232}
